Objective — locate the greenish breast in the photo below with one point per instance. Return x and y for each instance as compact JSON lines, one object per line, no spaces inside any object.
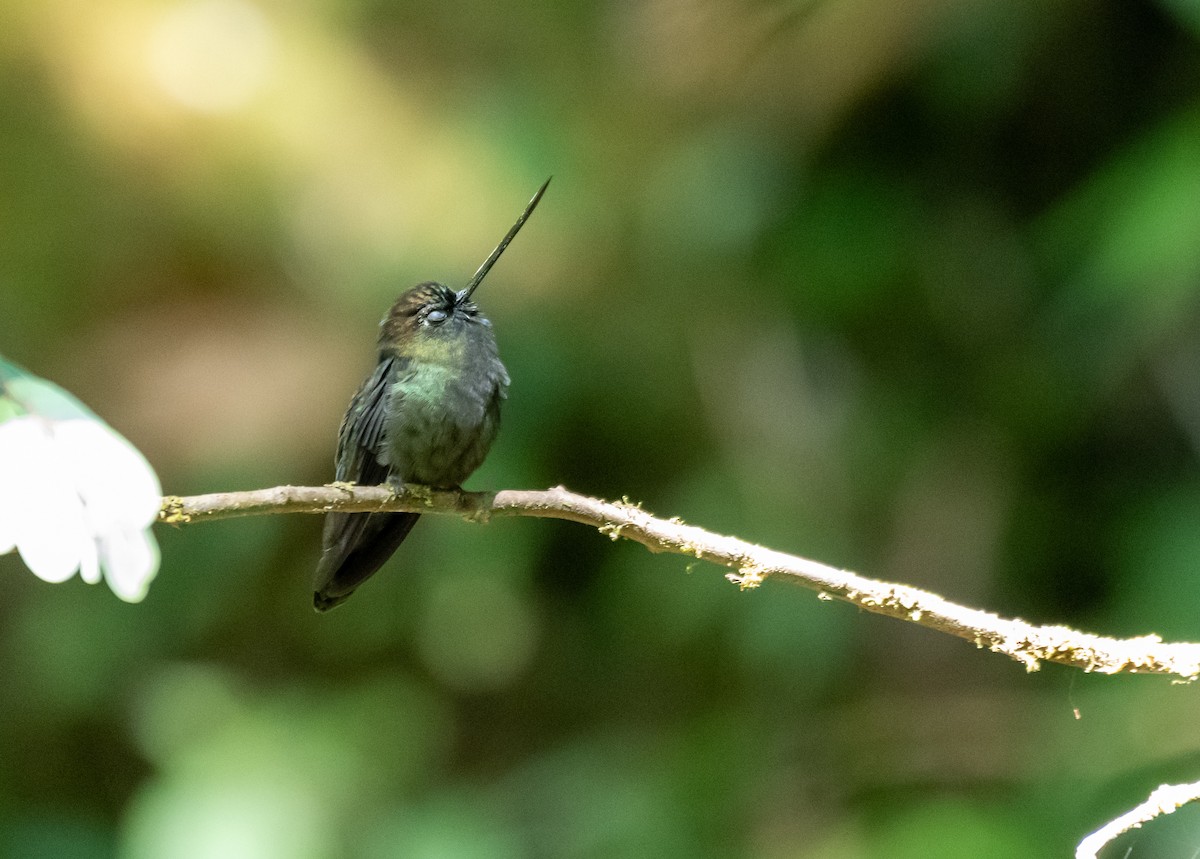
{"x":441,"y":421}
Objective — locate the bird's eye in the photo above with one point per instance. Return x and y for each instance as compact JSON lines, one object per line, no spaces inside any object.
{"x":436,"y":317}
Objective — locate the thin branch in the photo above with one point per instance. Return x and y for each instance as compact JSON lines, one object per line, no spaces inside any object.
{"x":1027,"y":643}
{"x":1165,"y":799}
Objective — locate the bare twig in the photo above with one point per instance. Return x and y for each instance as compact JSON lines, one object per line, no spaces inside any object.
{"x":1028,"y":644}
{"x":1165,"y":799}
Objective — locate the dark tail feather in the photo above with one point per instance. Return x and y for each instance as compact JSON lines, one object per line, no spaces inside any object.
{"x":356,"y":545}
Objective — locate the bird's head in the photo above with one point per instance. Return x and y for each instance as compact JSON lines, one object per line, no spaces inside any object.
{"x":431,"y":318}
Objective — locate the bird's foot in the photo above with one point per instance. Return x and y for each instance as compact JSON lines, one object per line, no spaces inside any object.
{"x":422,"y":494}
{"x":413,"y":491}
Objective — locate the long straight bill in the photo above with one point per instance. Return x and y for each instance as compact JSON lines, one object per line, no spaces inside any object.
{"x":479,"y":275}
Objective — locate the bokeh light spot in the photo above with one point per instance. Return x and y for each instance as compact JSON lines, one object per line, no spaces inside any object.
{"x":213,"y":56}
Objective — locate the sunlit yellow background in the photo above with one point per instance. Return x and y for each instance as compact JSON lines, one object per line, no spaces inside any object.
{"x":908,"y":287}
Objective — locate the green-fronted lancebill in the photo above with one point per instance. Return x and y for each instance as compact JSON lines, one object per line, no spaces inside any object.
{"x":427,"y":415}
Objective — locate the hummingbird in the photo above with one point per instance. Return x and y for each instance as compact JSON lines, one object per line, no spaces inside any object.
{"x":428,"y":414}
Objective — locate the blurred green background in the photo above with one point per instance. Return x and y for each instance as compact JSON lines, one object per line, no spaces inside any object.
{"x":907,"y":287}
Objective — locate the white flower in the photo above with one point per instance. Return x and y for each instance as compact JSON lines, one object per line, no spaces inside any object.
{"x":74,"y":495}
